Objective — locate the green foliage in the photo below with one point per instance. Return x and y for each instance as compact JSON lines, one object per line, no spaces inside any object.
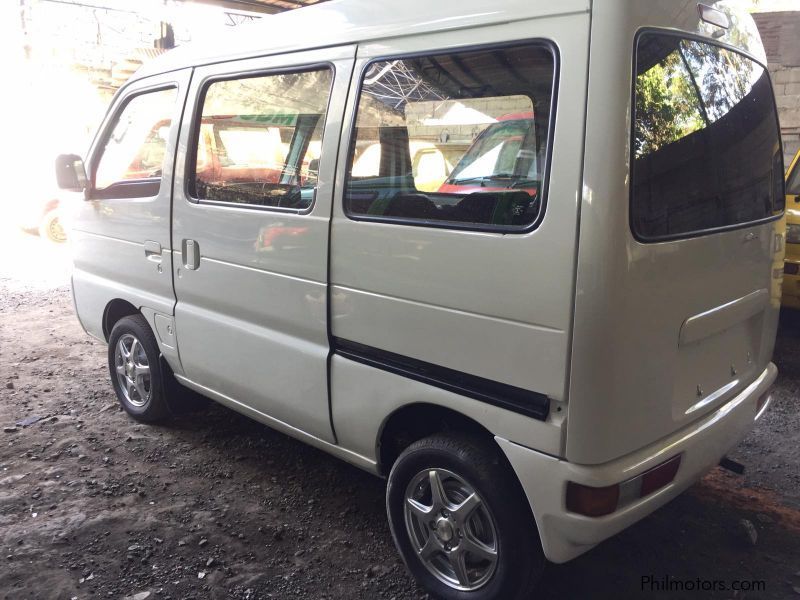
{"x":691,"y":87}
{"x":666,"y":105}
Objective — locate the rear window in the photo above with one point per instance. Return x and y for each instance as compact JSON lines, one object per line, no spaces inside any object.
{"x":706,"y":143}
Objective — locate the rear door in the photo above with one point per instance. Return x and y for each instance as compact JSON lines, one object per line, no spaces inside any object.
{"x":251,"y":213}
{"x":677,"y":304}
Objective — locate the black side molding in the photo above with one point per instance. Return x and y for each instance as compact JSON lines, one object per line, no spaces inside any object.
{"x":509,"y":397}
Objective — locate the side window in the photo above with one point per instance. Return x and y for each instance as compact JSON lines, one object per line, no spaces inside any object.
{"x":136,"y":147}
{"x":259,"y":138}
{"x":454,"y":139}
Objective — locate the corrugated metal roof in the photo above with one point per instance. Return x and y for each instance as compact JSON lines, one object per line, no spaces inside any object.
{"x":266,"y":6}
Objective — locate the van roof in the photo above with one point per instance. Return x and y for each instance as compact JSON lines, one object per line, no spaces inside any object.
{"x":340,"y":22}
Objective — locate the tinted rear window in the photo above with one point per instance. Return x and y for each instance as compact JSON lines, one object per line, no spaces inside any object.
{"x":706,"y":144}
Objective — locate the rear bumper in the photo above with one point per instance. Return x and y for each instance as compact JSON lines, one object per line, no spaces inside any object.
{"x":702,"y":444}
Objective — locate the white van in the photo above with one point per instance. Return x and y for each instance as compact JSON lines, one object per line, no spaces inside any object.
{"x":535,"y":356}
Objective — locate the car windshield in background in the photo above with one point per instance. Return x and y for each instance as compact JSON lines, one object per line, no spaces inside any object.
{"x":494,"y":155}
{"x":706,"y":143}
{"x":793,"y":182}
{"x":453,"y":140}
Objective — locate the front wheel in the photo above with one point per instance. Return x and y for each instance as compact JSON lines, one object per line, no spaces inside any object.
{"x":461,"y":521}
{"x":133,"y":362}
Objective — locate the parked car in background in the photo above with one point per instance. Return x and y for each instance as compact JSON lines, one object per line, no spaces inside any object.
{"x":791,"y":265}
{"x":503,"y":156}
{"x":42,"y":216}
{"x":35,"y":204}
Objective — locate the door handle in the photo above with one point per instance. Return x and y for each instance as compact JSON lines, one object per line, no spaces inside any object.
{"x":152,"y":251}
{"x":190,"y":252}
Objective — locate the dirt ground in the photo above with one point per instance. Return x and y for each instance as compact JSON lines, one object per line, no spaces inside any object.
{"x":93,"y":505}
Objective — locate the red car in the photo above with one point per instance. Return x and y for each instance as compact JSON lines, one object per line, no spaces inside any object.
{"x":502,"y":157}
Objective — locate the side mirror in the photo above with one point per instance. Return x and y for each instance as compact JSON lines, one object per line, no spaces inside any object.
{"x":70,"y":173}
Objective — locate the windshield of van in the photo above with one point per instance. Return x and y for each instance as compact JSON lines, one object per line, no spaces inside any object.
{"x":706,"y":144}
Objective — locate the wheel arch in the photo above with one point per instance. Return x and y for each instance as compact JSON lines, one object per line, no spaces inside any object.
{"x":412,"y":422}
{"x":115,"y":310}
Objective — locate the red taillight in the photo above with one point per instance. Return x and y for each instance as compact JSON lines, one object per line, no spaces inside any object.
{"x":600,"y":501}
{"x":659,"y":476}
{"x":592,"y":501}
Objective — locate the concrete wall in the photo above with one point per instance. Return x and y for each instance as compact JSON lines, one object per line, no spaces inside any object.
{"x":780,"y":32}
{"x":786,"y":81}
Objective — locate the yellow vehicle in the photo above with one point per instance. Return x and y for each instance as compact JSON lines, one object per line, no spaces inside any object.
{"x":791,"y":266}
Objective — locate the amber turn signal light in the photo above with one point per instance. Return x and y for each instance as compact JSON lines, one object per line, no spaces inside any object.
{"x":592,"y":501}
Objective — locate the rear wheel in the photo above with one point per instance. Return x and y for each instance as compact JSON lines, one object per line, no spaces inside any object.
{"x":461,"y":522}
{"x":133,"y":362}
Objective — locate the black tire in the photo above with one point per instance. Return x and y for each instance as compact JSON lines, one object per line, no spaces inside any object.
{"x":481,"y":465}
{"x":181,"y":400}
{"x":151,"y":407}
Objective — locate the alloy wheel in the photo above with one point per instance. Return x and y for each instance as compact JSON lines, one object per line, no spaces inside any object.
{"x":133,"y":370}
{"x":451,"y":528}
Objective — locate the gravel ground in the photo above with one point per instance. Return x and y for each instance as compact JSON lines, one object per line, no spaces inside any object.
{"x":93,"y":505}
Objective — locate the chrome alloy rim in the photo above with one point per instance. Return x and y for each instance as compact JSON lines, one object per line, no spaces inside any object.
{"x":133,"y":370}
{"x":451,"y":529}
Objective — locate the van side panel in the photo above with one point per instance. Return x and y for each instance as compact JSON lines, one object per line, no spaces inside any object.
{"x":665,"y":332}
{"x":358,"y":426}
{"x":492,"y":305}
